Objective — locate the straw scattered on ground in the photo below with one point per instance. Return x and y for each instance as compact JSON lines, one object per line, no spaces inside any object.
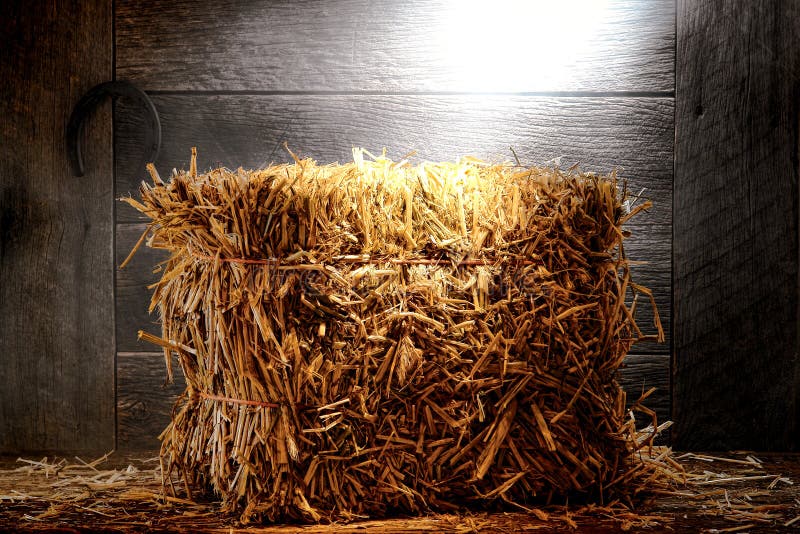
{"x":721,"y":493}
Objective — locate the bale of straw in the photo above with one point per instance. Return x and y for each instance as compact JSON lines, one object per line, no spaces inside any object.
{"x":373,"y":337}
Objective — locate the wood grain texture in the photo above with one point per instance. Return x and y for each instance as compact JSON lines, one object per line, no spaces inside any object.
{"x":736,"y":225}
{"x":650,"y":249}
{"x":632,"y":134}
{"x":132,"y":293}
{"x":645,"y":371}
{"x":144,"y":399}
{"x":56,"y":294}
{"x":388,"y":46}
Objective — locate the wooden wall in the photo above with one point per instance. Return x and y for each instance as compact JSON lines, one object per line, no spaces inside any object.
{"x":238,"y":79}
{"x":737,"y":358}
{"x":56,"y":263}
{"x":697,"y":102}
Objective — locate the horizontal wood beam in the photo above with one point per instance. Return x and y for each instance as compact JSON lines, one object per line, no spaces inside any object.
{"x":388,"y":46}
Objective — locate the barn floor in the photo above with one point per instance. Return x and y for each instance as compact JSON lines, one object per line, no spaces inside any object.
{"x":736,"y":492}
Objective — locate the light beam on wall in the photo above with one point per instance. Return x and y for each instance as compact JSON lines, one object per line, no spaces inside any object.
{"x":517,"y":45}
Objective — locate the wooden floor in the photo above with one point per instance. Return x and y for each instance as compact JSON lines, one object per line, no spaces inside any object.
{"x":737,"y":492}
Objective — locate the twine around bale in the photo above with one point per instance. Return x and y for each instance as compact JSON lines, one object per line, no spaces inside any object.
{"x":364,"y":261}
{"x":248,"y":402}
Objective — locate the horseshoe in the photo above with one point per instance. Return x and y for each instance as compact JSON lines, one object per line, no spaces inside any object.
{"x":88,"y":102}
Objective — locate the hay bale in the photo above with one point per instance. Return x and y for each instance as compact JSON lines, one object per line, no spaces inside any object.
{"x":377,"y":336}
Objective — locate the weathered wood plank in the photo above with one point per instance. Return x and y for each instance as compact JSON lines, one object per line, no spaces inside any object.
{"x":387,"y":46}
{"x":56,"y":294}
{"x":736,"y":225}
{"x":132,"y":294}
{"x":144,"y":402}
{"x":645,"y":371}
{"x":144,"y":399}
{"x":652,"y":246}
{"x":634,"y":134}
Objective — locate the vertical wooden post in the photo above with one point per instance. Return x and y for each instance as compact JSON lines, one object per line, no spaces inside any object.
{"x":56,"y":240}
{"x":736,"y":225}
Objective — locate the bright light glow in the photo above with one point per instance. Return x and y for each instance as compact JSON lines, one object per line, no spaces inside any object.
{"x":517,"y":45}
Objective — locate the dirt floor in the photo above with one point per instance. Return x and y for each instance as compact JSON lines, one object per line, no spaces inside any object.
{"x":735,"y":492}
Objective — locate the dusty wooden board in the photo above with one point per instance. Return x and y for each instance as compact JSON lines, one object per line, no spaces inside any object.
{"x":736,"y":226}
{"x":634,"y":135}
{"x":642,"y":372}
{"x":56,"y":232}
{"x":144,"y":401}
{"x":652,"y":247}
{"x":133,"y":295}
{"x":385,"y":46}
